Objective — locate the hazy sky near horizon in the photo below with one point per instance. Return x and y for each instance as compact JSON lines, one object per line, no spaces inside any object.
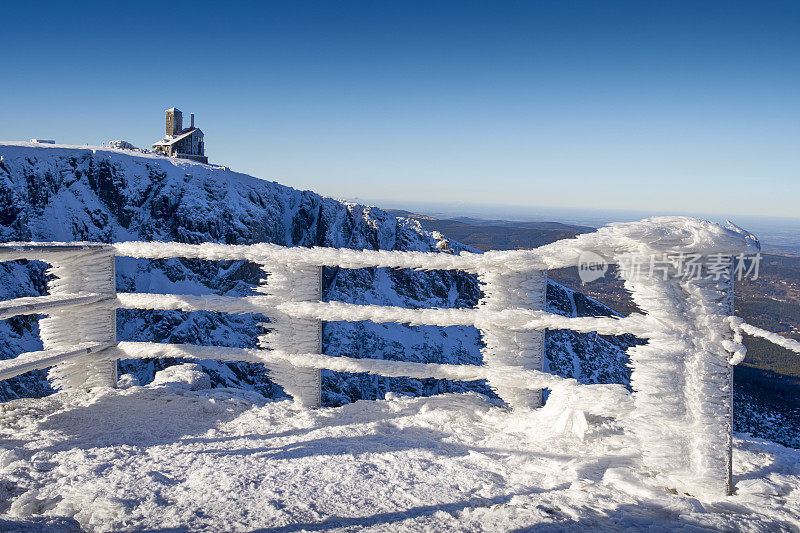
{"x":665,"y":106}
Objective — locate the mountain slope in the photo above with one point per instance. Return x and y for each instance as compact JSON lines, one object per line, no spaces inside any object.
{"x":73,"y":193}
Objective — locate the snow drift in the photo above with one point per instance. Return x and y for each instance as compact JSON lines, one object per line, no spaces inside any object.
{"x":174,"y":454}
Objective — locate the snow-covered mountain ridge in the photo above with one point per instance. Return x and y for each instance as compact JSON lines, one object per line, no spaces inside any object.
{"x":78,"y":193}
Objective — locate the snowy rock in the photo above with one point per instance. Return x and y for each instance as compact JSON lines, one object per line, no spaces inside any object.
{"x":126,"y":381}
{"x":188,"y":376}
{"x":123,"y":145}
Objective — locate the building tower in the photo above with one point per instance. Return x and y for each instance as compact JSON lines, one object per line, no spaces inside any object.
{"x":183,"y":143}
{"x":174,"y":121}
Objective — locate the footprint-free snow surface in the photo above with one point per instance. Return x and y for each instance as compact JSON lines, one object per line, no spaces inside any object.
{"x":175,"y":455}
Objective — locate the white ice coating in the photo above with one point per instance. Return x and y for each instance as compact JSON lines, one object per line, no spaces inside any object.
{"x":682,"y":381}
{"x":82,"y":353}
{"x":509,"y":318}
{"x":681,"y":377}
{"x":265,"y":253}
{"x":741,"y":326}
{"x":652,"y":234}
{"x":34,"y":305}
{"x":78,"y":272}
{"x":294,"y":335}
{"x":507,"y":347}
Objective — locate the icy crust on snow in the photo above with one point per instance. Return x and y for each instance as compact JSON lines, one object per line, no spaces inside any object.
{"x":165,"y":456}
{"x":68,"y":194}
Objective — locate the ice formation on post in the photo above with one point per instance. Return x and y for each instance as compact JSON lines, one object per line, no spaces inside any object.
{"x":682,"y":379}
{"x":81,"y":272}
{"x":503,"y":290}
{"x":709,"y":382}
{"x":294,"y":335}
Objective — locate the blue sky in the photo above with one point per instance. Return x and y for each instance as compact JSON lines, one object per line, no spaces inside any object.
{"x":664,"y":106}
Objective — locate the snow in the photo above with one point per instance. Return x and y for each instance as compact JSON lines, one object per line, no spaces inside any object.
{"x":167,"y":456}
{"x":124,"y":145}
{"x":182,"y":377}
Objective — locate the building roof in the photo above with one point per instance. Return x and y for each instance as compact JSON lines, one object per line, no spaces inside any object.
{"x":174,"y":109}
{"x":175,"y":138}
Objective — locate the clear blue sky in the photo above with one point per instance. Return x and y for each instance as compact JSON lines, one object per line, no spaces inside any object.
{"x":670,"y":106}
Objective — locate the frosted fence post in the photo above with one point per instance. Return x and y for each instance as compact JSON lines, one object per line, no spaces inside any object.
{"x":82,"y":272}
{"x":294,"y":335}
{"x":682,"y":381}
{"x":709,"y":380}
{"x":507,"y":348}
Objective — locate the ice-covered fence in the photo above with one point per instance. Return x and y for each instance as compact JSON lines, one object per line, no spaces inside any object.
{"x":80,"y":327}
{"x":682,"y":378}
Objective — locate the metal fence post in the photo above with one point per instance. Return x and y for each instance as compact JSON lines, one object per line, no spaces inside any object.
{"x":709,"y":381}
{"x":506,"y":348}
{"x":682,"y":379}
{"x":76,"y":273}
{"x":293,"y":335}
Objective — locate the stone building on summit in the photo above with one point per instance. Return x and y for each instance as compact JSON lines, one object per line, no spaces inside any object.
{"x":184,"y":143}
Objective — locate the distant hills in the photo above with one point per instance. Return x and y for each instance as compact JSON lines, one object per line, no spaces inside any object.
{"x":496,"y":234}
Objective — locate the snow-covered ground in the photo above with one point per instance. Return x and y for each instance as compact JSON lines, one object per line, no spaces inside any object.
{"x":168,"y":457}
